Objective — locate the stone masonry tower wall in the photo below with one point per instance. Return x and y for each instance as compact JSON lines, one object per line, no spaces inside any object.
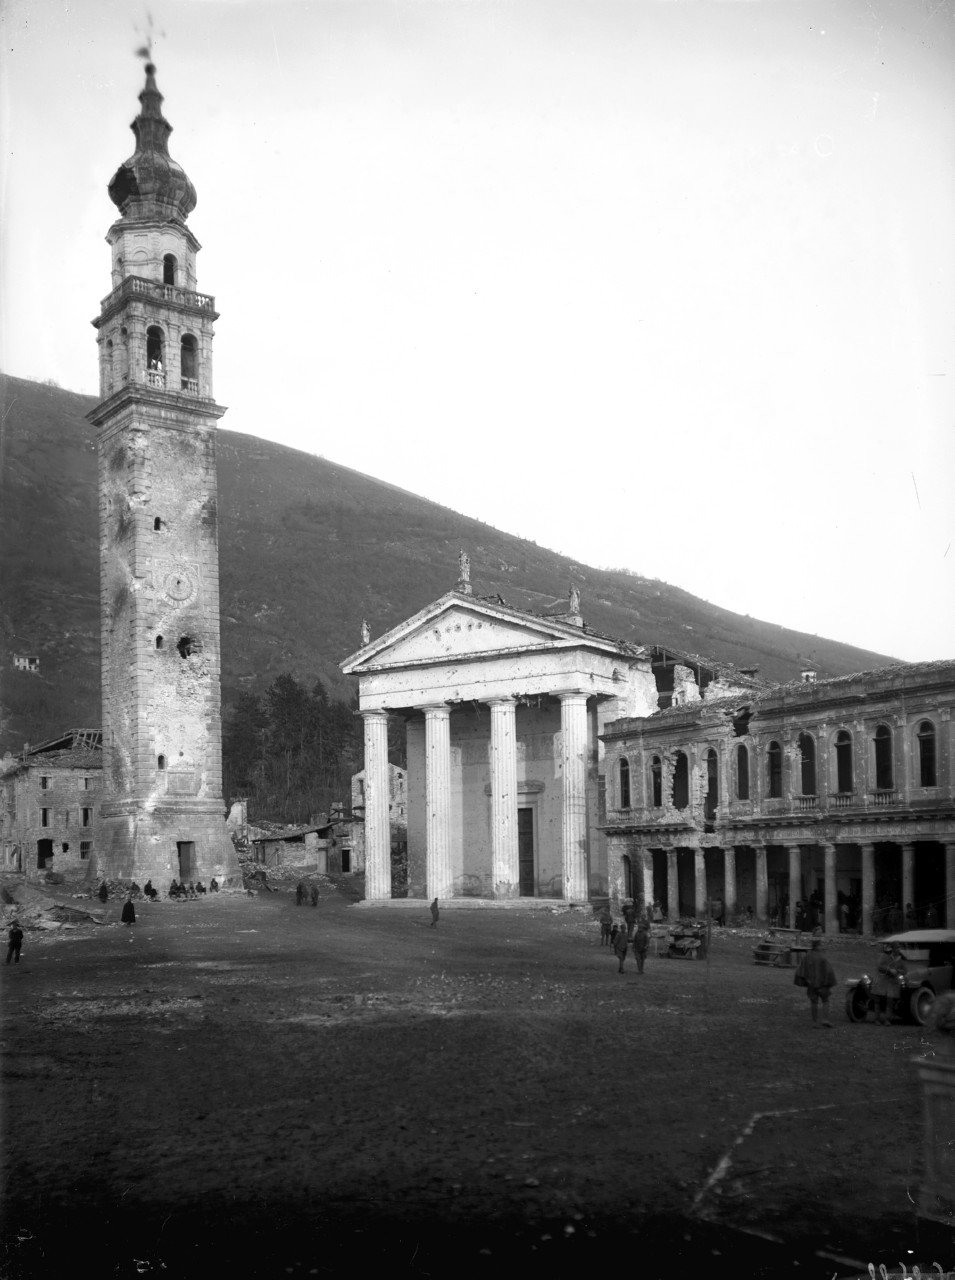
{"x":162,"y":813}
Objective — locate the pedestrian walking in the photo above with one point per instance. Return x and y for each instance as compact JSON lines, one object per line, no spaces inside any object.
{"x":815,"y":973}
{"x":630,"y":916}
{"x":313,"y":895}
{"x":620,"y":944}
{"x":434,"y":913}
{"x":300,"y":893}
{"x":641,"y":943}
{"x":14,"y":942}
{"x":128,"y":915}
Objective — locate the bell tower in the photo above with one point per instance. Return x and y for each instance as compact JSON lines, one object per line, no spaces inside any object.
{"x":162,"y":812}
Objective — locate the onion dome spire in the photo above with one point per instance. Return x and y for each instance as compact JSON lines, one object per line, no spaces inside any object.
{"x":150,"y":184}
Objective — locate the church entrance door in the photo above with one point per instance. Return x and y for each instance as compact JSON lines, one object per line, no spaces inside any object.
{"x":525,"y":852}
{"x":187,"y":859}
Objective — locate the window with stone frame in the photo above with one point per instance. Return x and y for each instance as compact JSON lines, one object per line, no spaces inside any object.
{"x":884,"y":773}
{"x":742,"y":772}
{"x":925,"y":737}
{"x":844,"y":778}
{"x":624,"y":779}
{"x":774,"y":770}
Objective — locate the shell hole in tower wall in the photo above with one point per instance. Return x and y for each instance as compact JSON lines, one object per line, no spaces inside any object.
{"x":157,"y":524}
{"x":187,"y":646}
{"x":160,"y":762}
{"x":159,"y":642}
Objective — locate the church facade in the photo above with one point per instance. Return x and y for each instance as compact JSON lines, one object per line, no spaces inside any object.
{"x":162,"y":812}
{"x":503,"y":713}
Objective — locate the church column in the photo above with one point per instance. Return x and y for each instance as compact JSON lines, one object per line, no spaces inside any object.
{"x":762,"y":883}
{"x":795,"y":881}
{"x":646,"y":873}
{"x":729,"y":883}
{"x":673,"y":886}
{"x":505,"y":873}
{"x":908,"y":879}
{"x":573,"y":726}
{"x":699,"y":883}
{"x":377,"y":820}
{"x":437,"y":795}
{"x":830,"y":905}
{"x":949,"y":885}
{"x":868,"y":886}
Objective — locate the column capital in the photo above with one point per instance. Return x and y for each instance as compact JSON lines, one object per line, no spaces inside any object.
{"x":571,"y":695}
{"x":437,"y":710}
{"x":378,"y":713}
{"x":508,"y":700}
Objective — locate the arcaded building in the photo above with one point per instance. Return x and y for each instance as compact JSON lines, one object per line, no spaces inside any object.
{"x":162,"y":813}
{"x":841,"y":788}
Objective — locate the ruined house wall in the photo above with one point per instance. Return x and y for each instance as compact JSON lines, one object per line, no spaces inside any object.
{"x":70,"y":799}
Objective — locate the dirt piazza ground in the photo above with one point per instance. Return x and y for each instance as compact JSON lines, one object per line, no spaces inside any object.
{"x":245,"y":1087}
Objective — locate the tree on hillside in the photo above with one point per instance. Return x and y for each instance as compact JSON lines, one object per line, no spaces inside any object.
{"x":292,"y":752}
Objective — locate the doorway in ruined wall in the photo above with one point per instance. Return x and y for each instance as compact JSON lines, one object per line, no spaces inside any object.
{"x":186,"y":851}
{"x":660,"y":877}
{"x":527,"y":870}
{"x":44,"y":855}
{"x":686,"y":881}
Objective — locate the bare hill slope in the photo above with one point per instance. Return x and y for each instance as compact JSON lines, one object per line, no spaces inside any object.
{"x":307,"y":550}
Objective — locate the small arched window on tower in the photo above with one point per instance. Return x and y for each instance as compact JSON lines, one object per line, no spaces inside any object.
{"x":169,"y":269}
{"x":844,"y":761}
{"x":624,"y":783}
{"x":883,"y":758}
{"x":160,"y":763}
{"x":155,"y":358}
{"x":189,"y":364}
{"x":108,"y":367}
{"x":926,"y":741}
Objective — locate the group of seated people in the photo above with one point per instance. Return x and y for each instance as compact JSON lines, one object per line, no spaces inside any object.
{"x":196,"y":890}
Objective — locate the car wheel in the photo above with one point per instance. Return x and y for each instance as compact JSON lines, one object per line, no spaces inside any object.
{"x":857,"y":1005}
{"x":920,"y":1005}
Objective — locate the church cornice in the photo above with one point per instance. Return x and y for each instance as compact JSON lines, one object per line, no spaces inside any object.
{"x":139,"y":289}
{"x":170,"y":403}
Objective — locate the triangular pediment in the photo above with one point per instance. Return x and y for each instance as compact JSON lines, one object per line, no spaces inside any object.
{"x":458,"y":627}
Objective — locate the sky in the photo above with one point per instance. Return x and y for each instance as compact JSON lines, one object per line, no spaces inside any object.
{"x":663,"y":285}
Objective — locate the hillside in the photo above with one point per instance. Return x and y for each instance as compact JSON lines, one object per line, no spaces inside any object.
{"x":307,"y":550}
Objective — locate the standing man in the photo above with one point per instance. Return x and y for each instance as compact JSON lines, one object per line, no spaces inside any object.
{"x":620,"y":944}
{"x":434,"y":913}
{"x":815,"y":973}
{"x":606,"y":924}
{"x":300,"y":893}
{"x":630,"y":915}
{"x":313,"y":895}
{"x":641,"y":943}
{"x":14,"y":942}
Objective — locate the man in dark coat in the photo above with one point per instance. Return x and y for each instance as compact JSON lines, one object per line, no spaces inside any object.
{"x":434,"y":913}
{"x":299,"y":893}
{"x":103,"y":892}
{"x":14,"y":942}
{"x":815,"y":973}
{"x":313,"y":895}
{"x":128,"y":915}
{"x":630,"y":916}
{"x":606,"y":924}
{"x":641,"y":943}
{"x":620,"y":944}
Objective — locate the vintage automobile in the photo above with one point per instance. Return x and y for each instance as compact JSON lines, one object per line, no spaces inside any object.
{"x":930,"y":970}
